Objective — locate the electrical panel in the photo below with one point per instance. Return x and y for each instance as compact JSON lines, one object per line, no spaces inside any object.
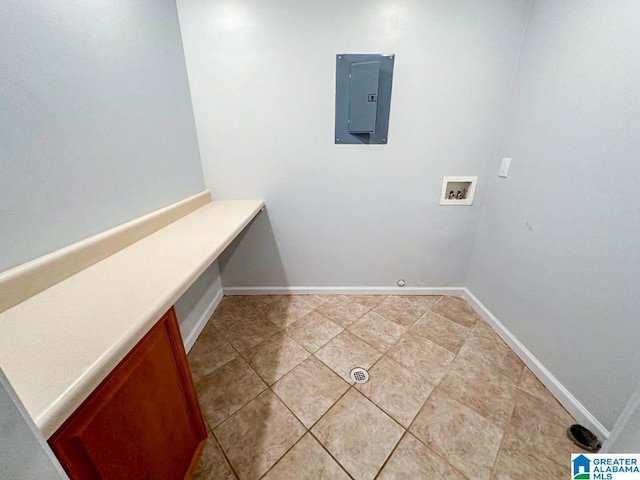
{"x":363,"y":97}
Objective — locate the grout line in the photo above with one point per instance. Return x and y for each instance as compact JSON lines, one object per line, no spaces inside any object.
{"x":420,"y":409}
{"x":330,"y":454}
{"x":504,"y":432}
{"x":224,"y":454}
{"x":384,"y":354}
{"x":373,"y":365}
{"x":535,"y":397}
{"x":268,"y":387}
{"x":240,"y":408}
{"x":439,"y":300}
{"x":331,"y":407}
{"x":437,"y":384}
{"x":281,"y":401}
{"x":438,"y":454}
{"x":409,"y":428}
{"x":524,"y":372}
{"x":308,"y":430}
{"x":380,"y":408}
{"x":288,"y":450}
{"x":243,"y":358}
{"x":393,"y":450}
{"x":406,"y":331}
{"x":250,"y":400}
{"x":470,"y":330}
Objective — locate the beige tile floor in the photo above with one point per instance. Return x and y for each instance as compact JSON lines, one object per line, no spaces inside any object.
{"x":446,"y":399}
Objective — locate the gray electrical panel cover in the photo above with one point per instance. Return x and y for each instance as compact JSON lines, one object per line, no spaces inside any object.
{"x":363,"y":97}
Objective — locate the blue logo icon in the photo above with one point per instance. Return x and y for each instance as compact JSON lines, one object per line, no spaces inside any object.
{"x":581,"y":468}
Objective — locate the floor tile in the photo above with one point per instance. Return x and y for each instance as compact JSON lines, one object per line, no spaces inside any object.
{"x":457,"y":310}
{"x":345,"y":352}
{"x":342,"y":309}
{"x":310,"y":389}
{"x":313,"y":330}
{"x":487,"y":342}
{"x":530,"y":384}
{"x":494,"y":355}
{"x":248,"y":333}
{"x":358,"y":434}
{"x":377,"y":331}
{"x":258,"y":435}
{"x":227,"y":389}
{"x":442,"y":331}
{"x":492,"y":396}
{"x":307,"y":460}
{"x":422,"y":300}
{"x":465,"y":439}
{"x":541,"y":428}
{"x":400,"y":310}
{"x":263,"y":302}
{"x":483,"y":329}
{"x":522,"y":464}
{"x":210,"y":351}
{"x":396,"y":390}
{"x":232,"y":310}
{"x":289,"y":309}
{"x":275,"y":356}
{"x":369,"y":301}
{"x":213,"y":465}
{"x":422,"y":356}
{"x":489,"y":414}
{"x":413,"y":460}
{"x":548,"y":409}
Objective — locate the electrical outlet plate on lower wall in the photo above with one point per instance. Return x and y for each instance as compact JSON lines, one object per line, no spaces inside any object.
{"x":458,"y":190}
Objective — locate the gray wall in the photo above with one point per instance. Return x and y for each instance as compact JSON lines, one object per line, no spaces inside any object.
{"x":348,"y":215}
{"x":24,"y":453}
{"x":96,"y":123}
{"x":556,"y":257}
{"x":625,"y":436}
{"x":196,"y":301}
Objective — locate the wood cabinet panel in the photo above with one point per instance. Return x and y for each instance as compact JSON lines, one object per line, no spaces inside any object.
{"x":143,"y":421}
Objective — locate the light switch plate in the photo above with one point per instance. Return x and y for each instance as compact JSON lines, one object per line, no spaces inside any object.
{"x":504,"y":167}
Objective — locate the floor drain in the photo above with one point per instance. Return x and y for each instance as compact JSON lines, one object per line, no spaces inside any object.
{"x":359,"y":375}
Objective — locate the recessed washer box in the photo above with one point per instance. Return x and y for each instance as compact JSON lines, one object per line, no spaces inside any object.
{"x":458,"y":190}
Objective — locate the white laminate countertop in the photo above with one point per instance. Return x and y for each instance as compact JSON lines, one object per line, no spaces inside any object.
{"x":57,"y":346}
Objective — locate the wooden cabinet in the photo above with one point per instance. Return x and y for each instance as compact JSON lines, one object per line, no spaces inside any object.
{"x":143,"y":421}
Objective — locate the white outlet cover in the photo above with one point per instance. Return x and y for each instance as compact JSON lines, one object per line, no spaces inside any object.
{"x":504,"y":167}
{"x":471,"y":190}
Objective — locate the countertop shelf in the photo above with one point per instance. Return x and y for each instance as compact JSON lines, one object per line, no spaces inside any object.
{"x":57,"y":346}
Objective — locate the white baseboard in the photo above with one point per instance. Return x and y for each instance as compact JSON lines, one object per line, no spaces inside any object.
{"x":559,"y":391}
{"x":191,"y":338}
{"x":343,"y":290}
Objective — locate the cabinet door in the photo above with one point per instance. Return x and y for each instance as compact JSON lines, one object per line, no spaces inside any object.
{"x":143,"y":421}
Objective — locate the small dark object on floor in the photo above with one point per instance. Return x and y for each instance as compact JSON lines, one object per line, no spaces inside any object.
{"x":583,"y":438}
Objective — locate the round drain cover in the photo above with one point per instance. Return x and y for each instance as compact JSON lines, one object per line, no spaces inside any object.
{"x":359,"y":375}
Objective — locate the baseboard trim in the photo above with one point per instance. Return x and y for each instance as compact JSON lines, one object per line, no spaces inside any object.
{"x":343,"y":290}
{"x":559,"y":391}
{"x":202,"y":322}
